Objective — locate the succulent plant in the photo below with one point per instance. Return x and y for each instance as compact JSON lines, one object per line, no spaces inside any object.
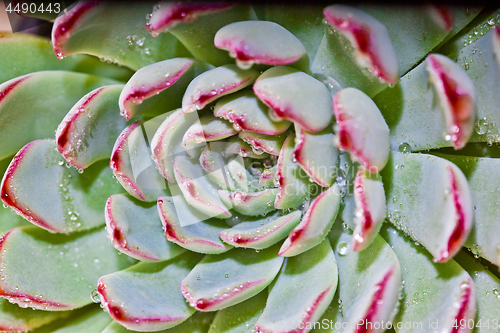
{"x":237,"y":168}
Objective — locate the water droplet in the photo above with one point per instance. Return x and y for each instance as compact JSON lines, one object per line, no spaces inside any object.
{"x":481,"y":126}
{"x":94,"y":295}
{"x":405,"y":148}
{"x":226,"y":275}
{"x":343,"y":248}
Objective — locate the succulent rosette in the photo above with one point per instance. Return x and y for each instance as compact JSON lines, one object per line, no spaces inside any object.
{"x":236,"y":168}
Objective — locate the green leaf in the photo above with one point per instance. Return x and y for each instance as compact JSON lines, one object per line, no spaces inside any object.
{"x":63,"y":200}
{"x":132,"y":165}
{"x":240,"y":318}
{"x":89,"y":319}
{"x":146,"y":296}
{"x":89,"y":130}
{"x":260,"y":42}
{"x":199,"y":322}
{"x":22,"y":54}
{"x":166,"y":143}
{"x":235,"y":145}
{"x":262,"y":143}
{"x":85,"y":28}
{"x":429,"y":199}
{"x":302,"y":291}
{"x":198,"y":36}
{"x":158,"y":87}
{"x":261,"y":232}
{"x":15,"y":318}
{"x":189,"y":228}
{"x":135,"y":229}
{"x":250,"y":204}
{"x":209,"y":129}
{"x":248,"y":113}
{"x":441,"y":292}
{"x":81,"y":258}
{"x":292,"y":180}
{"x":317,"y":155}
{"x":315,"y":225}
{"x":369,"y":281}
{"x":8,"y":218}
{"x":215,"y":83}
{"x":487,"y":286}
{"x":219,"y":281}
{"x":332,"y":316}
{"x":292,"y":94}
{"x":197,"y":189}
{"x":483,"y":67}
{"x":484,"y":183}
{"x":32,"y":106}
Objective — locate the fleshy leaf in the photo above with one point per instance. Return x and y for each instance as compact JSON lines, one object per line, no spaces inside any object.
{"x":316,"y":154}
{"x":8,"y":216}
{"x":457,"y":96}
{"x":136,"y":230}
{"x":187,"y":227}
{"x":197,"y":189}
{"x":291,"y":179}
{"x":219,"y":281}
{"x":26,"y":253}
{"x":235,"y":145}
{"x":482,"y":176}
{"x":486,"y":285}
{"x":267,"y":178}
{"x":441,"y":292}
{"x":250,"y":204}
{"x":63,"y":200}
{"x":146,"y":296}
{"x":157,"y":87}
{"x":369,"y":283}
{"x":295,"y":96}
{"x":412,"y":40}
{"x":80,"y":30}
{"x":89,"y":319}
{"x":259,"y":42}
{"x":132,"y":166}
{"x":433,"y":202}
{"x":208,"y":128}
{"x":32,"y":106}
{"x":302,"y":291}
{"x":166,"y":143}
{"x":415,"y":116}
{"x":198,"y":36}
{"x":262,"y":143}
{"x":261,"y":232}
{"x":212,"y":162}
{"x":198,"y":322}
{"x":240,"y":318}
{"x":215,"y":83}
{"x":13,"y":318}
{"x":22,"y":54}
{"x":169,"y":14}
{"x":361,"y":129}
{"x":371,"y":42}
{"x":315,"y":224}
{"x":248,"y":113}
{"x":371,"y":209}
{"x":88,"y":132}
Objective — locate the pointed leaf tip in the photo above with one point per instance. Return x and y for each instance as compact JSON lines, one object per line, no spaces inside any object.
{"x":293,"y":95}
{"x":166,"y":15}
{"x":371,"y":209}
{"x":65,"y":24}
{"x":442,"y":15}
{"x":259,"y":42}
{"x":361,"y":129}
{"x":496,"y":42}
{"x":373,"y":48}
{"x":457,"y":96}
